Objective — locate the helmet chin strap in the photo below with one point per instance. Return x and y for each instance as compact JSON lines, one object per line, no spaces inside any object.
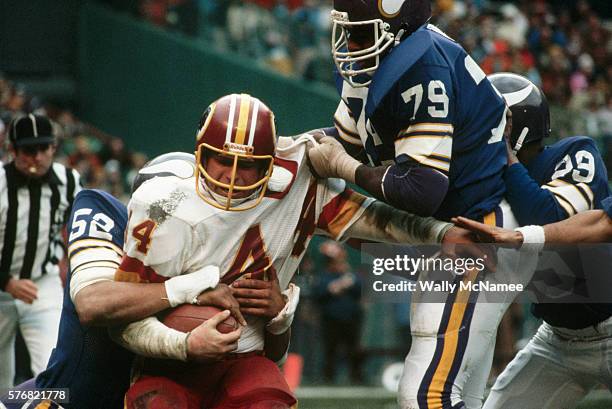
{"x":222,"y":200}
{"x":519,"y":142}
{"x":398,"y":37}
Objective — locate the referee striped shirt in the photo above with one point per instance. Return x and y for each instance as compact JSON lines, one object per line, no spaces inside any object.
{"x":32,"y":215}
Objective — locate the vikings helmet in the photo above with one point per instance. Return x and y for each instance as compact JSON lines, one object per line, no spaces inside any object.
{"x":178,"y":164}
{"x":378,"y":23}
{"x":240,"y":127}
{"x":530,"y":113}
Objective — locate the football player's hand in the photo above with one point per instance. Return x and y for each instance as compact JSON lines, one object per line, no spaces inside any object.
{"x":490,"y":234}
{"x":221,"y":296}
{"x":22,"y":289}
{"x":205,"y":343}
{"x":328,"y":159}
{"x":460,"y":242}
{"x":261,"y":298}
{"x":510,"y":155}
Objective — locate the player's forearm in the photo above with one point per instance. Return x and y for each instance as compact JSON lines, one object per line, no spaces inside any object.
{"x":415,"y":189}
{"x":276,"y":346}
{"x":593,"y":226}
{"x":111,"y":303}
{"x":370,"y":179}
{"x":383,"y":223}
{"x":150,"y":338}
{"x":530,"y":203}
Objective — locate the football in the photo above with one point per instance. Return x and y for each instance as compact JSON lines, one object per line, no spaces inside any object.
{"x":186,"y":317}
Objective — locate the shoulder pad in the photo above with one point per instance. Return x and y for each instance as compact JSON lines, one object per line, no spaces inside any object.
{"x":401,"y":59}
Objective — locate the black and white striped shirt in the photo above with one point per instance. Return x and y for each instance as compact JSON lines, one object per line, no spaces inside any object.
{"x":32,"y":215}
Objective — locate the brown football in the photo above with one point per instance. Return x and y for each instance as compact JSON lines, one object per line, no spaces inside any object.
{"x":186,"y":317}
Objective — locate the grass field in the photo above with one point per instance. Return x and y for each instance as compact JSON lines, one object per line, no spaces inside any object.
{"x":379,"y":398}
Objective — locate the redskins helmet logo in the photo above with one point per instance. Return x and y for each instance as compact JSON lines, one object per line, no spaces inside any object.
{"x":390,"y":8}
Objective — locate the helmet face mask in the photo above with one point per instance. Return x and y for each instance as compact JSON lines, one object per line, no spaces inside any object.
{"x":229,"y":196}
{"x":363,"y":31}
{"x":351,"y":64}
{"x":235,"y":153}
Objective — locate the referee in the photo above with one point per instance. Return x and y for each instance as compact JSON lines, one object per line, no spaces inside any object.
{"x":36,"y":195}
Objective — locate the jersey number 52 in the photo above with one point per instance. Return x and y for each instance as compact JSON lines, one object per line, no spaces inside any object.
{"x":100,"y":225}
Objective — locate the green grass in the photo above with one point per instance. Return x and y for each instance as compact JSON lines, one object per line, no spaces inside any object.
{"x":378,"y":398}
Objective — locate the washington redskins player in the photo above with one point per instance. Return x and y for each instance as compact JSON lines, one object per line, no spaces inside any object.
{"x":249,"y":206}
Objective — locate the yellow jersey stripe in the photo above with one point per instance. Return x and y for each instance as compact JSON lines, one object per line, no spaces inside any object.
{"x":429,"y":127}
{"x":451,"y":343}
{"x":432,"y":162}
{"x":89,"y":242}
{"x":451,"y":334}
{"x":93,"y":264}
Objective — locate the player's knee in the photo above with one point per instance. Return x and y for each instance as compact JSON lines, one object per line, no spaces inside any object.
{"x":159,"y":393}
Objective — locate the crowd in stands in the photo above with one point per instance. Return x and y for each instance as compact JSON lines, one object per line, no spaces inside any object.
{"x":564,"y":47}
{"x":103,"y":161}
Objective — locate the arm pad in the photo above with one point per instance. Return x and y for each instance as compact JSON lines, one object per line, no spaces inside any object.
{"x":415,"y":189}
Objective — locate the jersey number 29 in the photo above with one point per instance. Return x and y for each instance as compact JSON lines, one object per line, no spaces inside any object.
{"x":582,"y":167}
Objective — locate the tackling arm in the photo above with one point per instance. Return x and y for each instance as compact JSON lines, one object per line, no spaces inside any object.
{"x":593,"y":226}
{"x":383,"y":223}
{"x":417,"y":189}
{"x":151,"y":338}
{"x":110,"y":303}
{"x":531,"y":204}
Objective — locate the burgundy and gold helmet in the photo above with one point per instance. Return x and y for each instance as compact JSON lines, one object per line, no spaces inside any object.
{"x":240,"y":127}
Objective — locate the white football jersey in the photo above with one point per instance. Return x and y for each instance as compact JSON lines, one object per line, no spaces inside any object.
{"x":172,"y":231}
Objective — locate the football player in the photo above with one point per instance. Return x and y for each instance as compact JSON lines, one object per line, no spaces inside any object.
{"x":250,"y":208}
{"x":592,"y":226}
{"x":420,"y":111}
{"x":546,"y":185}
{"x":85,"y":360}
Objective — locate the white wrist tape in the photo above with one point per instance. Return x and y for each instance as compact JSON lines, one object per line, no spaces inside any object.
{"x":151,"y":338}
{"x":533,"y":237}
{"x":282,"y":322}
{"x":346,"y":167}
{"x":185,"y":288}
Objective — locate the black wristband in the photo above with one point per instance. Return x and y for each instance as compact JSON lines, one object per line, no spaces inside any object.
{"x":4,"y":279}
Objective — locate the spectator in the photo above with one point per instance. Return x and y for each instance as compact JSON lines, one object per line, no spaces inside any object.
{"x":339,"y":292}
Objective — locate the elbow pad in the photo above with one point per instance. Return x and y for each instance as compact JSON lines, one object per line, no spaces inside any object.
{"x":415,"y":189}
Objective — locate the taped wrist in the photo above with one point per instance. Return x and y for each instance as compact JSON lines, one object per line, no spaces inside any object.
{"x":150,"y":338}
{"x":346,"y":167}
{"x":282,"y":322}
{"x":533,"y":237}
{"x":185,"y":288}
